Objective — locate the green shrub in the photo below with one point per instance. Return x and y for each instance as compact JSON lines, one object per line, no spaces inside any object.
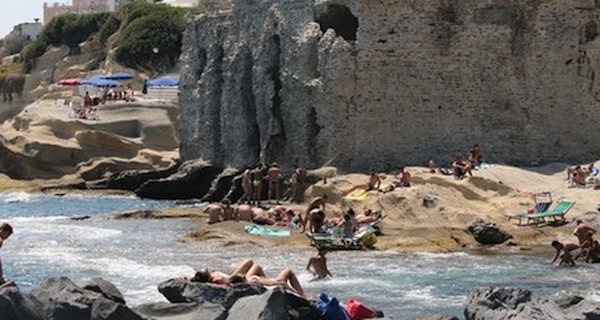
{"x":151,"y":40}
{"x":110,"y":26}
{"x":66,"y":29}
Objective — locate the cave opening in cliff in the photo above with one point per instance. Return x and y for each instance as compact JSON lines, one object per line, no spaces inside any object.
{"x":338,"y":18}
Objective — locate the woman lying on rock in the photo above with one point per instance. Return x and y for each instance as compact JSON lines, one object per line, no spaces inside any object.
{"x":250,"y":272}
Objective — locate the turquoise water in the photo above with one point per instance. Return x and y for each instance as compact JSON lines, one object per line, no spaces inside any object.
{"x":136,"y":255}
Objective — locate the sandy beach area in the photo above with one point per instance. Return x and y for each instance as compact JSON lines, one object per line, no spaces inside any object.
{"x":442,"y":227}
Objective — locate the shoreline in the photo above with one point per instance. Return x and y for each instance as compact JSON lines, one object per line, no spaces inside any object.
{"x":411,"y":226}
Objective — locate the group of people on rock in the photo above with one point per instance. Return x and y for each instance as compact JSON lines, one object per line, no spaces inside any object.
{"x":582,"y":176}
{"x":461,"y":166}
{"x":587,"y":248}
{"x":225,"y":211}
{"x":253,"y":180}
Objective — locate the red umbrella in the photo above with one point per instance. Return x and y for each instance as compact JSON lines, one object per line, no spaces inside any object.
{"x":70,"y":82}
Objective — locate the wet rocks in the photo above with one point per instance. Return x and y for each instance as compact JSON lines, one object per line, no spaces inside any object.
{"x":487,"y":233}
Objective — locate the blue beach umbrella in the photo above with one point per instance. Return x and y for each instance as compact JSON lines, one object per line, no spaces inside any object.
{"x":119,"y":76}
{"x":91,"y":80}
{"x":106,"y":83}
{"x":163,"y":82}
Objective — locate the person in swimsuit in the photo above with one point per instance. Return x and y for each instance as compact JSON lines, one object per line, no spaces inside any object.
{"x":316,"y":203}
{"x":319,"y":265}
{"x":5,"y":231}
{"x":286,"y":278}
{"x":274,"y":175}
{"x":373,"y":184}
{"x":217,"y":277}
{"x":570,"y":252}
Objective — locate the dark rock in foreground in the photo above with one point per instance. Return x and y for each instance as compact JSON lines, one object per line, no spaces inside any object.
{"x":60,"y":298}
{"x":512,"y":303}
{"x":487,"y":233}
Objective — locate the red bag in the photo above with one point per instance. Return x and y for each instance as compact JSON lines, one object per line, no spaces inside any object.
{"x":357,"y":311}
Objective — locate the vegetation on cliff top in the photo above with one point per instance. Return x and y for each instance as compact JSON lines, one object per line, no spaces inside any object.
{"x":147,"y":35}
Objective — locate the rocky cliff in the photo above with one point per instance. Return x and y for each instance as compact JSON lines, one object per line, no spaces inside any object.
{"x":372,"y":84}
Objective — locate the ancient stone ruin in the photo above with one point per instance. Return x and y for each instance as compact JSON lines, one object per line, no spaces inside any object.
{"x":373,"y":84}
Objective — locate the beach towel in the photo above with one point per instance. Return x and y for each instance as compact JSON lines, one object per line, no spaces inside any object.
{"x":266,"y":231}
{"x":358,"y":194}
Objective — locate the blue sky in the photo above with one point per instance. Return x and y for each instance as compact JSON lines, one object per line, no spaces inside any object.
{"x":13,"y":12}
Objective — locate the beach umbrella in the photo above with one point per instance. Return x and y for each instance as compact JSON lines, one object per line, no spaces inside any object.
{"x":70,"y":82}
{"x":163,"y":82}
{"x":91,"y":80}
{"x":106,"y":83}
{"x":119,"y":76}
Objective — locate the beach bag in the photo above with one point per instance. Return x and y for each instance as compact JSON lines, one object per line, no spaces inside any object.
{"x":330,"y":308}
{"x":358,"y":311}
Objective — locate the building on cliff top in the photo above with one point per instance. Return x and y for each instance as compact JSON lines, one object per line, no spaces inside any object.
{"x":54,"y":9}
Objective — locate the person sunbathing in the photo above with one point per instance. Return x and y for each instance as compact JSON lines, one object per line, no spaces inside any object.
{"x":578,"y":177}
{"x":401,"y":179}
{"x":215,"y":213}
{"x":250,"y":272}
{"x":369,"y":216}
{"x":460,"y":167}
{"x":373,"y":184}
{"x":217,"y":277}
{"x":286,"y":278}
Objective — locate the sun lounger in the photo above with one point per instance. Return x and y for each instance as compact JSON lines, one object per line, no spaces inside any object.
{"x":543,"y":201}
{"x":361,"y":240}
{"x":557,"y":213}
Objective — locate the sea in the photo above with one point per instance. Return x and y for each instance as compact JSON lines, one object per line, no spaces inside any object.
{"x":51,"y":240}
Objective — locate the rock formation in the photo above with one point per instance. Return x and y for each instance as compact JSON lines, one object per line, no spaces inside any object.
{"x":43,"y":141}
{"x":512,"y":303}
{"x":369,"y":85}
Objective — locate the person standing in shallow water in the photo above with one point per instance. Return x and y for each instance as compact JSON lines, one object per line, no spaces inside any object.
{"x":319,"y":265}
{"x":5,"y":231}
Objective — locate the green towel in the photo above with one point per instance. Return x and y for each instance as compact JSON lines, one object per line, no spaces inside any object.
{"x":266,"y":231}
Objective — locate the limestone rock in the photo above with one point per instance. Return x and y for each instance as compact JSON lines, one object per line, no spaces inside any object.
{"x":343,"y":82}
{"x":44,"y":142}
{"x":133,"y":179}
{"x":192,"y":181}
{"x":221,"y":186}
{"x":179,"y":290}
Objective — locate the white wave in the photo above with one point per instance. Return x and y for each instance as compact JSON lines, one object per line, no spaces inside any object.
{"x":19,"y":196}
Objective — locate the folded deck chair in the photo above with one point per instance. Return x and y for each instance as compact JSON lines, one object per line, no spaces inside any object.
{"x":557,"y":213}
{"x":543,"y":201}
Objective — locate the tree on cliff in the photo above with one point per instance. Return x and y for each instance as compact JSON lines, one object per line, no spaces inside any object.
{"x":151,"y":40}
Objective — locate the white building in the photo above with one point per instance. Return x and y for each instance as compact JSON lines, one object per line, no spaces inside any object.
{"x":29,"y":30}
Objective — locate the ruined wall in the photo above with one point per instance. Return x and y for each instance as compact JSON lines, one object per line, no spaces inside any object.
{"x":372,"y":84}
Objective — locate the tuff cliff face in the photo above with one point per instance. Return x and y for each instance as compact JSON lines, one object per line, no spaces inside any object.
{"x":373,"y":84}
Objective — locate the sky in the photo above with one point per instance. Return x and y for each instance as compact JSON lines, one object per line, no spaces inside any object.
{"x":13,"y":12}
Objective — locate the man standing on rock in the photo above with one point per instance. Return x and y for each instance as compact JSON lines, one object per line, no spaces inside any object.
{"x":5,"y":231}
{"x":583,"y":232}
{"x":274,"y":176}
